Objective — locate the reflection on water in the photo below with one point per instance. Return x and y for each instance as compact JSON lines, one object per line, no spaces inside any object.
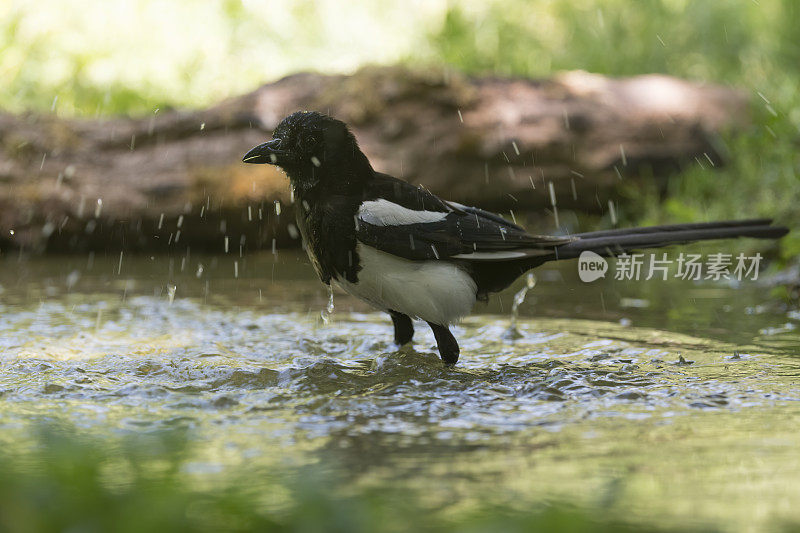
{"x":660,"y":399}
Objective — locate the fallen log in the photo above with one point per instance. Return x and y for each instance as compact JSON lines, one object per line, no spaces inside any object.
{"x":174,"y":179}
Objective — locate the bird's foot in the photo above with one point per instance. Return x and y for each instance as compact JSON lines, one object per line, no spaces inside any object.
{"x":448,"y":346}
{"x":403,"y":328}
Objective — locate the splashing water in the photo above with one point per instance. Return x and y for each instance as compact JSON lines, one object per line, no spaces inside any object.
{"x":326,"y":313}
{"x":513,"y":333}
{"x":171,"y":293}
{"x":693,"y":388}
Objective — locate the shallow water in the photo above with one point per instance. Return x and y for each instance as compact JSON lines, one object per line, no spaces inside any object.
{"x":667,"y":402}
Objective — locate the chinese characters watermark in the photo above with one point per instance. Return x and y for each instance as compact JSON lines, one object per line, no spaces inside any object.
{"x":694,"y":267}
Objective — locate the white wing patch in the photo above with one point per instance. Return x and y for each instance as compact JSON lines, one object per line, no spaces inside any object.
{"x":491,"y":255}
{"x":386,"y":213}
{"x":500,"y":255}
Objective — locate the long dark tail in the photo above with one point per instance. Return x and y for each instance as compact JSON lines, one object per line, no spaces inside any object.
{"x":617,"y":241}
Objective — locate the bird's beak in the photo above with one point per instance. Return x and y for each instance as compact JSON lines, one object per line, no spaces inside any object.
{"x":269,"y":153}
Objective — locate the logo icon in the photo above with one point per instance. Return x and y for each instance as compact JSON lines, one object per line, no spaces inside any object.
{"x":591,"y":266}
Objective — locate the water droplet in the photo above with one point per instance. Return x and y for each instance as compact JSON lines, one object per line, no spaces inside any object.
{"x":171,"y":293}
{"x":326,"y":313}
{"x":513,"y":333}
{"x":72,"y":278}
{"x":99,"y":318}
{"x":612,"y":212}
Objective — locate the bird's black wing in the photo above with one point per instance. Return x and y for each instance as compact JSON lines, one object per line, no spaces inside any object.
{"x":410,"y":222}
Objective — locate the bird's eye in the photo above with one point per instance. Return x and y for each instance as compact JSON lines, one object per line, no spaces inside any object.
{"x":312,"y":141}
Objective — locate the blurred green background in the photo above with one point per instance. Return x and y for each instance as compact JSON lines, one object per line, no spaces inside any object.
{"x":91,"y":58}
{"x":130,"y":56}
{"x":72,"y":482}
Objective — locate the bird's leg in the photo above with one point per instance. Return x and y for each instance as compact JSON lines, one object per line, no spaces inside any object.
{"x":448,"y":346}
{"x":403,"y":328}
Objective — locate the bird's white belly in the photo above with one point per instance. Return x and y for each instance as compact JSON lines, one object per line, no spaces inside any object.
{"x":435,"y":291}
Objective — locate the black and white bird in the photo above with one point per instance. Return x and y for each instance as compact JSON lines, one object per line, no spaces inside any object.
{"x":412,"y":254}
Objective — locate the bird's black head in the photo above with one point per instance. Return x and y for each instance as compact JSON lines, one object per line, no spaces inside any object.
{"x":313,"y":149}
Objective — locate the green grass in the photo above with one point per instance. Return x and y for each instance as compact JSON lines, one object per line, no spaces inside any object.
{"x":65,"y":481}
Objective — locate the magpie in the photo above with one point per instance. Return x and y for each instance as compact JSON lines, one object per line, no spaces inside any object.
{"x":412,"y":254}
